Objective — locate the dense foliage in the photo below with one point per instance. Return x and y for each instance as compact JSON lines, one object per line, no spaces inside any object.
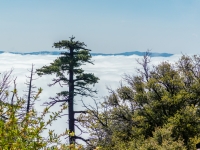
{"x":156,"y":109}
{"x":27,"y":132}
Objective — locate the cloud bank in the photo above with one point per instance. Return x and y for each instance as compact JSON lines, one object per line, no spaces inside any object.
{"x":109,"y":69}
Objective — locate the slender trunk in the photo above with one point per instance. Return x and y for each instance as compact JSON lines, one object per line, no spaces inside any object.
{"x":29,"y":91}
{"x":71,"y":100}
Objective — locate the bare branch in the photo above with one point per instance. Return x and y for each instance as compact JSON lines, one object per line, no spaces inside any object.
{"x":5,"y":84}
{"x":80,"y":112}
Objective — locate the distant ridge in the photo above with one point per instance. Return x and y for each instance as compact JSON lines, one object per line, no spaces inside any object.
{"x":134,"y":53}
{"x":93,"y":54}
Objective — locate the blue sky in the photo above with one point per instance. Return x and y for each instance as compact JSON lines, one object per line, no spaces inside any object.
{"x":107,"y":26}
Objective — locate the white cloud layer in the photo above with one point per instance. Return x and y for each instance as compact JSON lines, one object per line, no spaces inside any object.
{"x":109,"y":69}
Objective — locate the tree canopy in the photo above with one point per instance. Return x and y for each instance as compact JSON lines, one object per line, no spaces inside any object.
{"x":157,"y":109}
{"x":68,"y":72}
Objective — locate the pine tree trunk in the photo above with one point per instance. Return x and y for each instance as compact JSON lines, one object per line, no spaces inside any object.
{"x":71,"y":101}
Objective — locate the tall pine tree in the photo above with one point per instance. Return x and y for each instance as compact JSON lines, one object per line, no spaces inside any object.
{"x":68,"y":72}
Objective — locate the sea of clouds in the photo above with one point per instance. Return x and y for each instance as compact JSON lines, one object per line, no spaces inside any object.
{"x":109,"y":69}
